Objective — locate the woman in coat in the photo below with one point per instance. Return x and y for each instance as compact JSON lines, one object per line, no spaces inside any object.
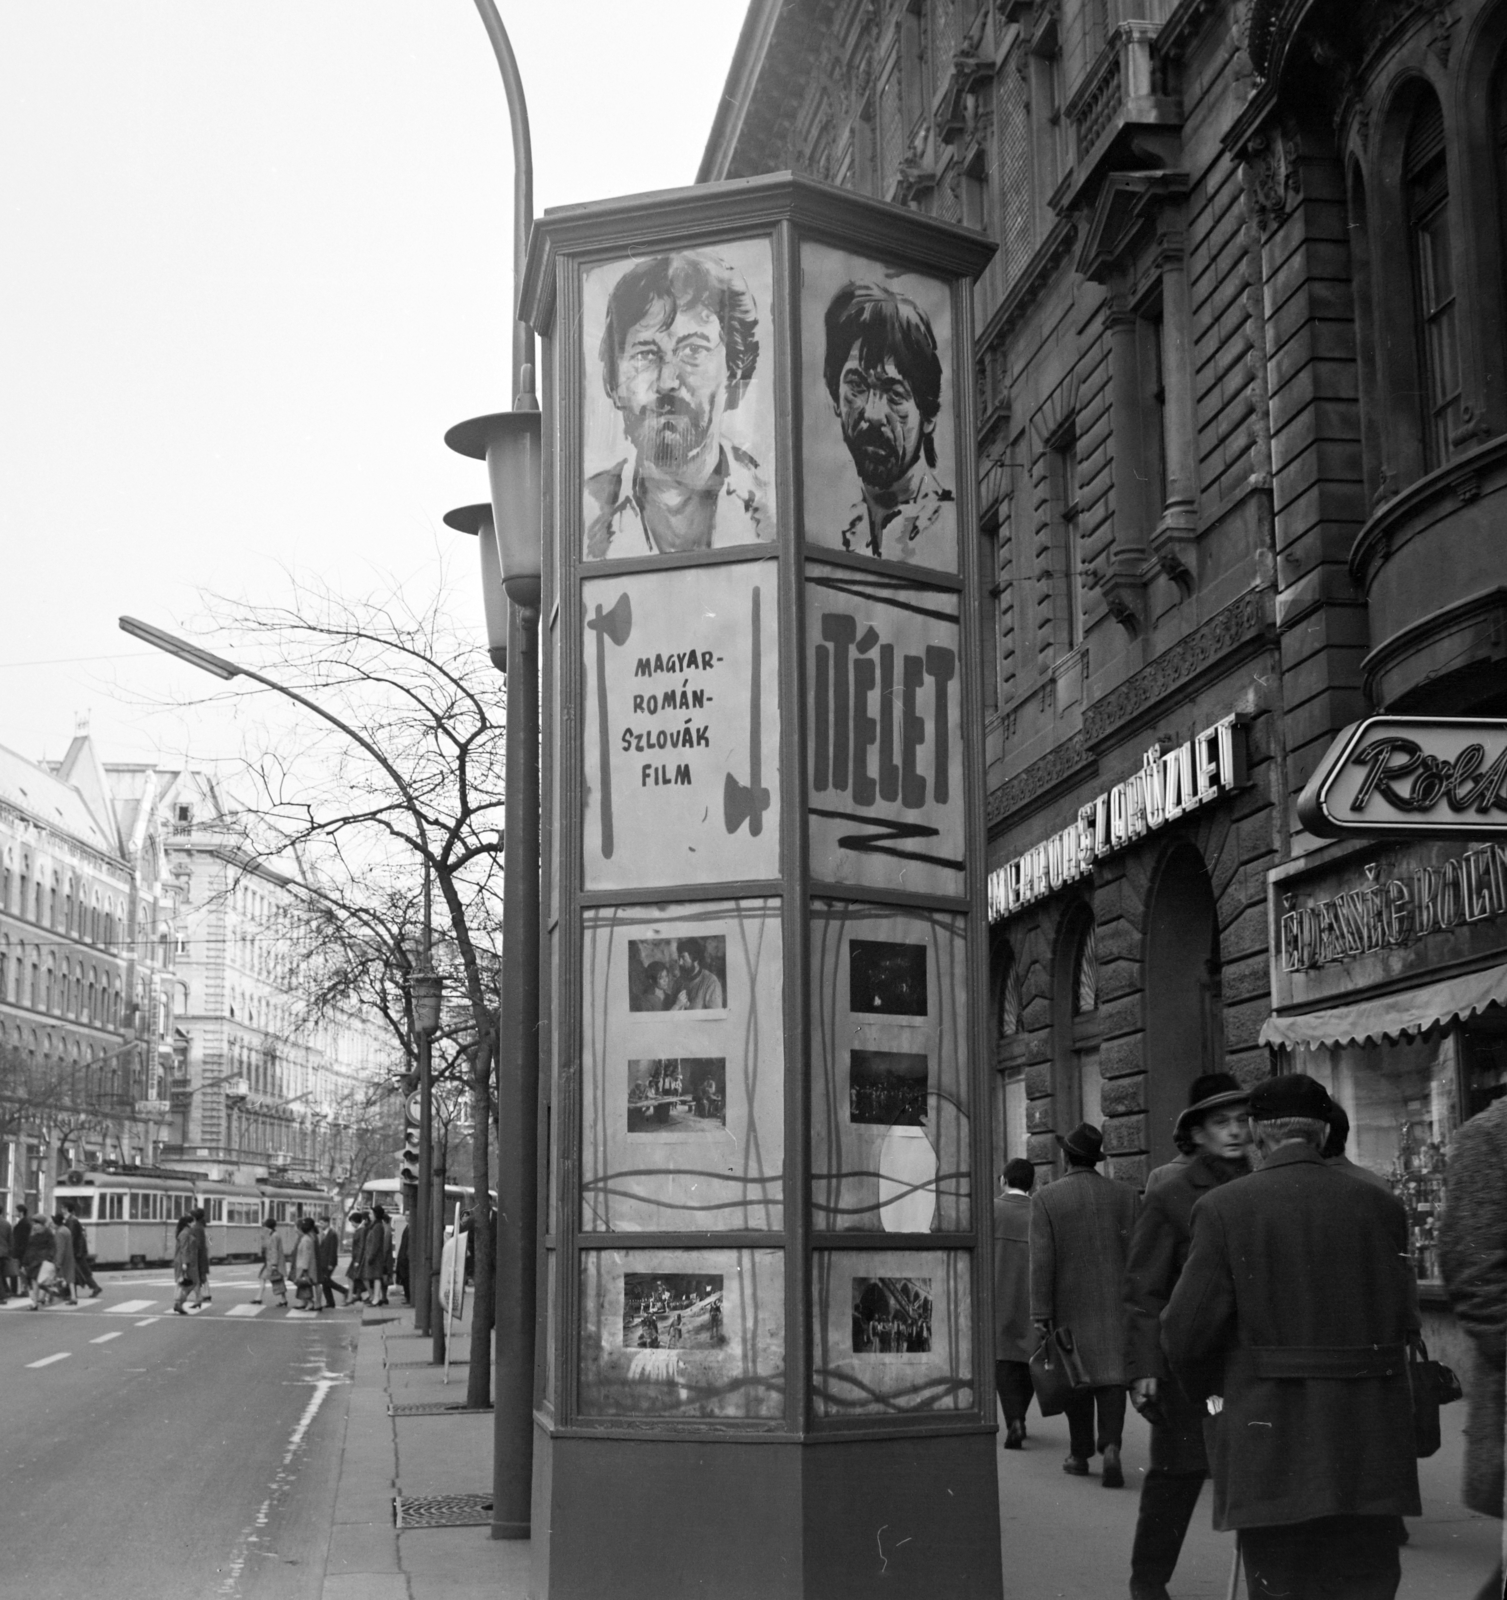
{"x":306,"y":1265}
{"x":274,"y":1264}
{"x":187,"y":1266}
{"x":376,"y":1256}
{"x":1473,"y":1258}
{"x":40,"y":1245}
{"x":360,"y":1222}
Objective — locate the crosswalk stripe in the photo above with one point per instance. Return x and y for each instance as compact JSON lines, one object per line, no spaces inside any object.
{"x":250,"y":1309}
{"x":105,"y":1338}
{"x":47,"y":1361}
{"x":129,"y":1308}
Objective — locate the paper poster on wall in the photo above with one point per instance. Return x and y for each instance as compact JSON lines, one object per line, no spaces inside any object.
{"x":890,"y":1098}
{"x":884,"y":737}
{"x":683,"y":1333}
{"x":877,"y":386}
{"x":681,"y":729}
{"x":892,"y":1332}
{"x":682,"y":1102}
{"x":678,"y":402}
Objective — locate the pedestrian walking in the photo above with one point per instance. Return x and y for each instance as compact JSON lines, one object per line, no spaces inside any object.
{"x":186,"y":1265}
{"x":1013,"y":1341}
{"x":1080,"y":1235}
{"x":38,"y":1268}
{"x":329,"y":1258}
{"x":7,"y":1278}
{"x":401,"y":1269}
{"x":1473,"y":1260}
{"x":201,"y":1237}
{"x":20,"y":1233}
{"x":81,"y":1266}
{"x":1291,"y":1324}
{"x":1215,"y":1126}
{"x":274,"y":1265}
{"x":62,"y":1260}
{"x":376,"y":1257}
{"x":306,"y":1265}
{"x":361,"y":1223}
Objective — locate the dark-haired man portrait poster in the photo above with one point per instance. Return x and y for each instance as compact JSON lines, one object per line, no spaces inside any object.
{"x":877,"y":388}
{"x":678,"y":437}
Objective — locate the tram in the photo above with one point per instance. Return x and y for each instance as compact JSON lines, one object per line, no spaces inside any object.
{"x":390,"y":1194}
{"x":288,"y":1203}
{"x":131,"y":1212}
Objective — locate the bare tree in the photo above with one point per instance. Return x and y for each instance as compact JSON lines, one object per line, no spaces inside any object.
{"x":393,"y":768}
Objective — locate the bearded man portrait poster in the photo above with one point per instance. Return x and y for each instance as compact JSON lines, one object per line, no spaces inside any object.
{"x":876,"y":387}
{"x":678,"y":431}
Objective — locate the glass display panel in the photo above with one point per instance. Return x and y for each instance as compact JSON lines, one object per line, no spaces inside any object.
{"x":892,"y":1332}
{"x":885,"y":729}
{"x":1402,"y":1098}
{"x":678,"y":401}
{"x":890,"y":1096}
{"x":683,"y":1333}
{"x":877,"y":408}
{"x":682,"y":1067}
{"x":681,"y":727}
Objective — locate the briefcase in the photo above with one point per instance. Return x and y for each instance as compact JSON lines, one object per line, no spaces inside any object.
{"x":1434,"y":1385}
{"x":1057,"y":1371}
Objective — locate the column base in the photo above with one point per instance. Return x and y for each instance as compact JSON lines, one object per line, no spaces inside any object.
{"x":631,"y":1519}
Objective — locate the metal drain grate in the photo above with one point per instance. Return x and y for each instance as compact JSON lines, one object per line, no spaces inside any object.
{"x":436,"y":1408}
{"x":443,"y":1511}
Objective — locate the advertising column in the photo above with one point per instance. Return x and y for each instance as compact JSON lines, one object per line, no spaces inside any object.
{"x":767,"y":1195}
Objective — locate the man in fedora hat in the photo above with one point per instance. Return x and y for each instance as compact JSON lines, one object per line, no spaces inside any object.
{"x":1080,"y":1232}
{"x":1292,"y":1319}
{"x":1215,"y":1127}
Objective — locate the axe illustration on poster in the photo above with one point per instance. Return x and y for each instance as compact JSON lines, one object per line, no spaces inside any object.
{"x":617,"y":625}
{"x":750,"y":802}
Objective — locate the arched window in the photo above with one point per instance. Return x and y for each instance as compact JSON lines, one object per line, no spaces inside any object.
{"x":52,"y":902}
{"x":50,"y":989}
{"x":1007,"y":999}
{"x":4,"y":968}
{"x":115,"y":1006}
{"x":68,"y":907}
{"x":1426,"y":186}
{"x":24,"y":906}
{"x":36,"y":987}
{"x":78,"y":990}
{"x":1086,"y":974}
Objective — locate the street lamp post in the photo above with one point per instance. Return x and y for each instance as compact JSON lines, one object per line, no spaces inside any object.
{"x":509,"y":442}
{"x":426,"y":996}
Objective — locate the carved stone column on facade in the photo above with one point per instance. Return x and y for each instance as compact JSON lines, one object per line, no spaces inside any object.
{"x":1174,"y":540}
{"x":1123,"y":583}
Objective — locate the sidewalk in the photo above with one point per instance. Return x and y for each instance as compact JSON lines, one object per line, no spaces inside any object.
{"x":414,"y":1456}
{"x":1062,"y":1538}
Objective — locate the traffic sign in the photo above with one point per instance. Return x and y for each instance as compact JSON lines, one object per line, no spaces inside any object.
{"x":413,"y":1107}
{"x":1415,"y":777}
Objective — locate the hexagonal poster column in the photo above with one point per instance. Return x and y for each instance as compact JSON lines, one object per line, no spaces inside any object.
{"x":765,"y":1356}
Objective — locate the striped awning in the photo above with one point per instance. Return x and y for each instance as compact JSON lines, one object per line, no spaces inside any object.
{"x":1391,"y":1016}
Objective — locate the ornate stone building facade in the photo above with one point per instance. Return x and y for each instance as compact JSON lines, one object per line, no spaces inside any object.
{"x":1243,"y":426}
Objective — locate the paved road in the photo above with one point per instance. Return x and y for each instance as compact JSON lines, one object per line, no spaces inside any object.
{"x":154,"y":1457}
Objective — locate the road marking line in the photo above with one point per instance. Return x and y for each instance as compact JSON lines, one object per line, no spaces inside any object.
{"x":128,"y":1308}
{"x":47,"y":1361}
{"x":105,"y":1338}
{"x":250,"y":1309}
{"x":146,"y":1322}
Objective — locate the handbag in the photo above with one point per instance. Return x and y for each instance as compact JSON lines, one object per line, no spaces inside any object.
{"x":1433,"y":1385}
{"x":1057,"y":1371}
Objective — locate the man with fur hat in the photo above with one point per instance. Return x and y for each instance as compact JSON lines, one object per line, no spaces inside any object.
{"x":1292,"y":1320}
{"x":1215,"y":1128}
{"x":1080,"y":1232}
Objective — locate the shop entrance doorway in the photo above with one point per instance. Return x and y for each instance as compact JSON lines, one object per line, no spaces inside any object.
{"x":1184,"y":1010}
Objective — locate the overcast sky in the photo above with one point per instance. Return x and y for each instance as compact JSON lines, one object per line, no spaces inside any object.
{"x":257,"y":260}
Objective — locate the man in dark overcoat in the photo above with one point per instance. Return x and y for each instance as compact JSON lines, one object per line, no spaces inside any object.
{"x":1216,"y":1127}
{"x":1473,"y":1259}
{"x":1292,"y":1319}
{"x":1013,"y":1338}
{"x":1080,"y":1234}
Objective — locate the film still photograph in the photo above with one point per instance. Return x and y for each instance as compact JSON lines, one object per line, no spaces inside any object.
{"x":887,"y":979}
{"x":678,"y":431}
{"x":672,"y":1311}
{"x":891,"y":1316}
{"x":686,"y":974}
{"x":887,"y":1087}
{"x":686,"y":1094}
{"x":877,"y":359}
